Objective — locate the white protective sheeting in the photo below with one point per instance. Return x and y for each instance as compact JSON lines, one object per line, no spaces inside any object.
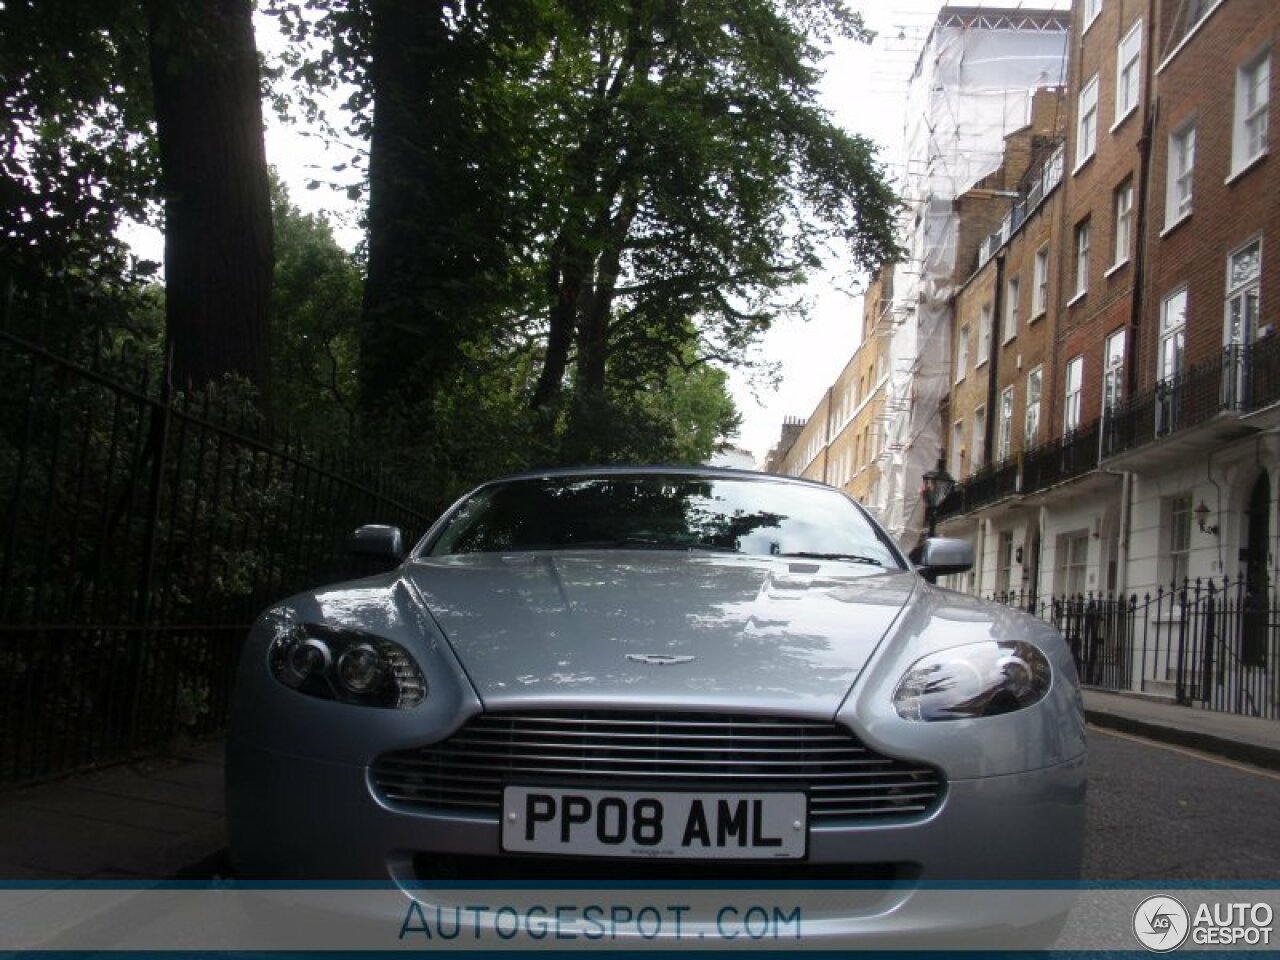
{"x":972,"y":87}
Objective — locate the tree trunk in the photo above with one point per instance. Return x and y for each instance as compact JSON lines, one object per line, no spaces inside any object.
{"x":404,"y":333}
{"x":562,"y":319}
{"x":218,"y":241}
{"x":593,"y":330}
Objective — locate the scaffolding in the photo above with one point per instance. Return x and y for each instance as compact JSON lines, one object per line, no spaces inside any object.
{"x":972,"y":86}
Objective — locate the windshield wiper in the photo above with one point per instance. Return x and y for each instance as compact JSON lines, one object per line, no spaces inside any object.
{"x":850,"y":557}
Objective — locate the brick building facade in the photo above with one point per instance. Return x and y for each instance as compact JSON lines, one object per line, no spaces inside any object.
{"x":1157,"y":459}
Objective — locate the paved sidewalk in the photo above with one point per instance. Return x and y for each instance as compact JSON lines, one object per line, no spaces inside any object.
{"x":1246,"y":739}
{"x":159,"y":817}
{"x":164,"y":817}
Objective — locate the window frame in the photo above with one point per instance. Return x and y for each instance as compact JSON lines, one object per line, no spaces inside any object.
{"x":1113,"y":369}
{"x":1179,"y":195}
{"x":1128,"y":74}
{"x":1040,"y":279}
{"x":1171,"y":331}
{"x":1178,"y":523}
{"x":1243,"y":156}
{"x":1122,"y":210}
{"x":1092,"y":10}
{"x":1073,"y":394}
{"x":978,"y":446}
{"x":1030,"y":429}
{"x":1083,"y":242}
{"x":1086,"y":123}
{"x":1246,"y":290}
{"x":1074,"y":564}
{"x":984,"y":335}
{"x":1012,"y":291}
{"x":1004,"y":429}
{"x":962,"y":352}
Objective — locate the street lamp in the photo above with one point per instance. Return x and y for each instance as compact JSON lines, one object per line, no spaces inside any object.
{"x":1202,"y":519}
{"x":938,"y":485}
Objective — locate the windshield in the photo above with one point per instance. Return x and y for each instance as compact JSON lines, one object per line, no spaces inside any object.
{"x":664,"y":512}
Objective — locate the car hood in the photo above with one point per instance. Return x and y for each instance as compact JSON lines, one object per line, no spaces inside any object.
{"x":593,"y":627}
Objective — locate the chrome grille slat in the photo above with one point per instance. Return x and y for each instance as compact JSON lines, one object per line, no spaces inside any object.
{"x":843,"y":778}
{"x":668,"y":746}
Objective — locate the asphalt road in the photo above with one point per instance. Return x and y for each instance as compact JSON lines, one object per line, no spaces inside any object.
{"x":1162,"y":813}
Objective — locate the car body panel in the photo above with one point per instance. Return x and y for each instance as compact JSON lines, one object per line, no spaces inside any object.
{"x":614,"y":629}
{"x":567,"y":626}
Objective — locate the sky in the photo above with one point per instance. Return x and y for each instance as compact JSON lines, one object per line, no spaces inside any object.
{"x":865,"y":91}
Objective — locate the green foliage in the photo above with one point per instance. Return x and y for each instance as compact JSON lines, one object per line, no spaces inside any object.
{"x":611,"y":198}
{"x":314,"y":325}
{"x":77,"y":156}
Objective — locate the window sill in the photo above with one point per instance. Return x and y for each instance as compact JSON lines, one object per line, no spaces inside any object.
{"x":1039,"y":316}
{"x":1077,"y":298}
{"x":979,"y":365}
{"x":1116,"y":267}
{"x":1083,"y":163}
{"x":1247,"y":168}
{"x":1008,"y":340}
{"x":1175,"y":225}
{"x":1120,"y":121}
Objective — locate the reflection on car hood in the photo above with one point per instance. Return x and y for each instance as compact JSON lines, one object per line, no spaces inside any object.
{"x":590,"y":627}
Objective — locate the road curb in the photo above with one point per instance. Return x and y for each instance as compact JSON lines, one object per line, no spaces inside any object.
{"x":1242,"y":751}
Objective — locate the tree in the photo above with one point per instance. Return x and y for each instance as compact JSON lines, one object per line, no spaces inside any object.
{"x":444,"y":170}
{"x":218,"y":246}
{"x":570,"y":201}
{"x":698,"y":180}
{"x":315,"y":324}
{"x":76,"y":160}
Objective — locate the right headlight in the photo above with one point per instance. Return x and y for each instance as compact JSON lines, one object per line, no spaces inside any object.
{"x":975,"y":680}
{"x":346,"y":665}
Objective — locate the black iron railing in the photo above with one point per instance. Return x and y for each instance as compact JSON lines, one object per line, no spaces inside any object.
{"x":1211,"y":643}
{"x":140,"y":533}
{"x":989,"y":485}
{"x":1058,"y":460}
{"x":1063,"y":458}
{"x":1240,"y":379}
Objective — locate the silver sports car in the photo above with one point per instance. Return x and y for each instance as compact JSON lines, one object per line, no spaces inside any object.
{"x":621,"y":674}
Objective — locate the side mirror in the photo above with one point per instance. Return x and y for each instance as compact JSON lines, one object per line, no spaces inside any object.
{"x":377,"y":542}
{"x":943,"y":555}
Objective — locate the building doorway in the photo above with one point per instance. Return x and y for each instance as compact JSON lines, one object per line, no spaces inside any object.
{"x":1253,"y":634}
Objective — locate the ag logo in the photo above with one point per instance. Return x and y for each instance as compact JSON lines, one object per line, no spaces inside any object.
{"x":1161,"y":923}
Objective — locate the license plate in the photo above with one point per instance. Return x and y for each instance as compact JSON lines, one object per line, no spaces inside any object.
{"x":611,"y":823}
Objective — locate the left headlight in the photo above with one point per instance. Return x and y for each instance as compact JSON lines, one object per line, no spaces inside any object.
{"x":347,"y":666}
{"x":975,"y":680}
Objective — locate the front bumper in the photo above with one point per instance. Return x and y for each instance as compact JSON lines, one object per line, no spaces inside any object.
{"x":1017,"y":838}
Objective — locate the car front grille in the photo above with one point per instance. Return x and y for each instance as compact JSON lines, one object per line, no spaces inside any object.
{"x":627,"y":750}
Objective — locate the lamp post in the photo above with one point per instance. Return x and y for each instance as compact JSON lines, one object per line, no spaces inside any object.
{"x":938,"y":485}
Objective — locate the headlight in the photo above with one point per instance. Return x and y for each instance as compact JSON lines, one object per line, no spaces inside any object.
{"x":347,"y":666}
{"x":976,"y":680}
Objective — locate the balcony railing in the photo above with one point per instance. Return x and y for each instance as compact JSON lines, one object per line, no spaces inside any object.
{"x":1041,"y":187}
{"x":1061,"y":459}
{"x":1240,"y":379}
{"x":988,"y":485}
